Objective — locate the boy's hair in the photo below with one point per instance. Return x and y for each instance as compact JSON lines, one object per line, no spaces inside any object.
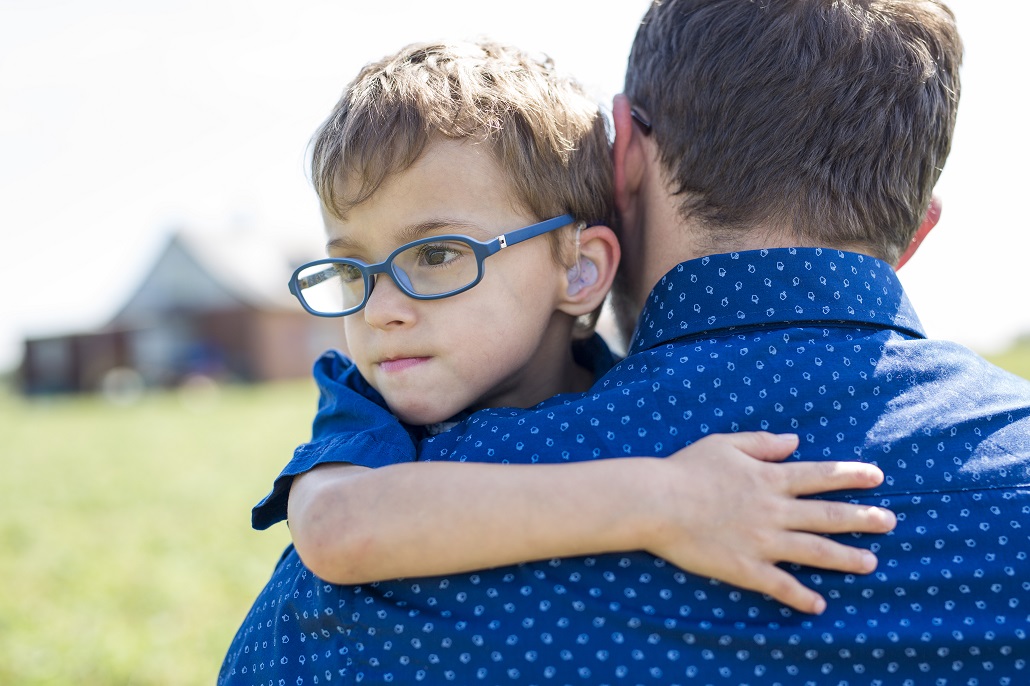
{"x":550,"y":140}
{"x":831,"y":117}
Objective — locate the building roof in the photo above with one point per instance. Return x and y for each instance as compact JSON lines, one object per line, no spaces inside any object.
{"x":214,"y":270}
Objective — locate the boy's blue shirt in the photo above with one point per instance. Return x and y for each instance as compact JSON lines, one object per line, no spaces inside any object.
{"x":817,"y":342}
{"x":353,"y":425}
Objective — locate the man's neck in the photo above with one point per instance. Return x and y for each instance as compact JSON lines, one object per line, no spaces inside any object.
{"x":666,"y":243}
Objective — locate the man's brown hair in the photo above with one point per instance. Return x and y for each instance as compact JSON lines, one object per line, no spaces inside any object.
{"x":549,"y":139}
{"x":830,"y":117}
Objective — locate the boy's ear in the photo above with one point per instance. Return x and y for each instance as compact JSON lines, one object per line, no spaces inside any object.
{"x":933,"y":215}
{"x":588,"y":281}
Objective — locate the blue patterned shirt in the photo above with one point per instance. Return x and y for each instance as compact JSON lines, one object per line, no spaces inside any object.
{"x":818,"y":342}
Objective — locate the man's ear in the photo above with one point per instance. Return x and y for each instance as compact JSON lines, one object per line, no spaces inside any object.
{"x":588,"y":281}
{"x":628,"y":155}
{"x":933,"y":215}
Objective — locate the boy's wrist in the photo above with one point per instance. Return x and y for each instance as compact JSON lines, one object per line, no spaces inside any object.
{"x":643,"y":485}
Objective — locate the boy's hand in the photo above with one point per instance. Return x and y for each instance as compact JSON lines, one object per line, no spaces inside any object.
{"x":754,"y":518}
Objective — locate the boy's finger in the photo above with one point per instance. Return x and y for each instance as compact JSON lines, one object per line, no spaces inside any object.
{"x":810,"y":478}
{"x":831,"y":517}
{"x":784,"y":587}
{"x":817,"y":551}
{"x":761,"y":445}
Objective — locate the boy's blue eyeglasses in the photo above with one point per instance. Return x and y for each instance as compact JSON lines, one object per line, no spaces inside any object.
{"x":426,"y":269}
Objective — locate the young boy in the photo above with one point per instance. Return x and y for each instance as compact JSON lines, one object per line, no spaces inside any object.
{"x":435,"y":162}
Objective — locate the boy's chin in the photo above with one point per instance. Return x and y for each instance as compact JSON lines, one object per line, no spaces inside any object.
{"x":420,"y":416}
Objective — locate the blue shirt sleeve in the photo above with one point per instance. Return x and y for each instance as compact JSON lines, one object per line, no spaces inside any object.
{"x":352,"y":426}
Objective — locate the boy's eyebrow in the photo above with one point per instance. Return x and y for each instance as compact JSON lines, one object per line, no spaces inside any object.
{"x":420,"y":230}
{"x":341,"y":244}
{"x":416,"y":231}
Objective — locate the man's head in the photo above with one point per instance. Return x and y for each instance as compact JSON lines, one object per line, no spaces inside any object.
{"x":826,"y":122}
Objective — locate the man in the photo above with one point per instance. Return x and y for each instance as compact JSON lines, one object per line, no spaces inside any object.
{"x":772,"y":161}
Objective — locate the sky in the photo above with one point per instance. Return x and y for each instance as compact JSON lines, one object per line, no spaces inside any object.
{"x":121,"y":121}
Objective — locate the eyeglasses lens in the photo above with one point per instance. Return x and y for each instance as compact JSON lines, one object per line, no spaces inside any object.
{"x":432,"y":268}
{"x":436,"y":268}
{"x":331,"y":288}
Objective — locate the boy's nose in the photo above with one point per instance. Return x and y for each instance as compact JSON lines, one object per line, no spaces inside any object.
{"x":387,"y":305}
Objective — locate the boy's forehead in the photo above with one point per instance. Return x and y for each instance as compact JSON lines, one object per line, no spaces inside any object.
{"x":443,"y":159}
{"x":453,"y":187}
{"x":354,"y":232}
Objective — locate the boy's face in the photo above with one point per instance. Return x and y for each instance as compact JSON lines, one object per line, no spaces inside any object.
{"x":502,"y":343}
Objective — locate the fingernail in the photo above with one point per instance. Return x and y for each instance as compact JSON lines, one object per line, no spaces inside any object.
{"x":820,"y":606}
{"x":786,"y":437}
{"x":868,"y":561}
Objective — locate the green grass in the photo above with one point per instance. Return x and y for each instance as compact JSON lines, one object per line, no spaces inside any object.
{"x":126,"y":551}
{"x":1016,"y":359}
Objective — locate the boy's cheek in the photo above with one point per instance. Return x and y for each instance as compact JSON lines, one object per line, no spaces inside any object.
{"x":343,"y":340}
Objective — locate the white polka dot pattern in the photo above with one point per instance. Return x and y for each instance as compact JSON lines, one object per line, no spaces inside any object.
{"x":816,"y":342}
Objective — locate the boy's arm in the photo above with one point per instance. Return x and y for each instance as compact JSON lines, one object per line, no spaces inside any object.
{"x":716,"y":508}
{"x":353,"y":425}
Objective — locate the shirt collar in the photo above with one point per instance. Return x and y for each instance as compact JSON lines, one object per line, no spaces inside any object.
{"x":718,"y":294}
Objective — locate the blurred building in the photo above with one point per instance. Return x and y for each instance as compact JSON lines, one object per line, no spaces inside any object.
{"x":212,"y":306}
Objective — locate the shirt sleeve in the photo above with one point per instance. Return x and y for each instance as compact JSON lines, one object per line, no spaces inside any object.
{"x":352,"y":426}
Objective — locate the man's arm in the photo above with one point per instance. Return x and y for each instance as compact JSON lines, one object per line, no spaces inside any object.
{"x":717,"y":508}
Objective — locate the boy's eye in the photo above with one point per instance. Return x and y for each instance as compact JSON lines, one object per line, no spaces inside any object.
{"x":438,"y":254}
{"x":348,"y":272}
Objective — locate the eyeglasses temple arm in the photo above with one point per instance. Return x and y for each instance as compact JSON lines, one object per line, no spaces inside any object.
{"x":531,"y":231}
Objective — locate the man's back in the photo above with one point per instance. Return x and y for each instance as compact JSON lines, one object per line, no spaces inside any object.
{"x":815,"y":342}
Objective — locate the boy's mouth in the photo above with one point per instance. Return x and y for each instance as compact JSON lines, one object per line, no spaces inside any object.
{"x":398,"y":364}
